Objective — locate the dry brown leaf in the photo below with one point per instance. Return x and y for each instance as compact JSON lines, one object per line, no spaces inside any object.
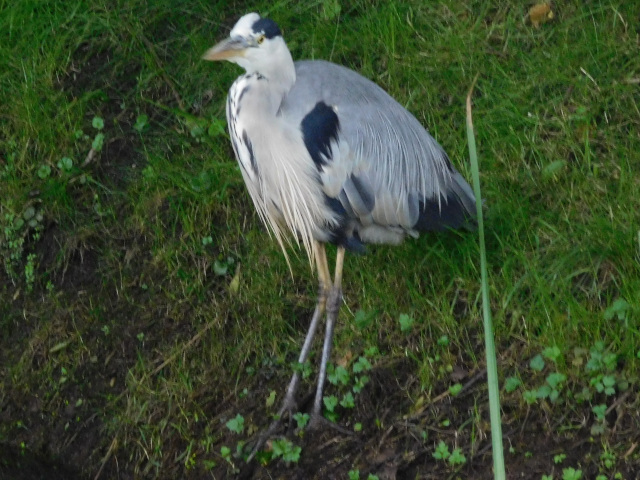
{"x":540,"y":13}
{"x":345,"y":360}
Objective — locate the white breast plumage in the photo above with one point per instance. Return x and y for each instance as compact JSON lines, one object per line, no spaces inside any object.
{"x":241,"y":144}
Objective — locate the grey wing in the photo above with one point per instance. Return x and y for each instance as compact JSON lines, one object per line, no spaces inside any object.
{"x":380,"y":169}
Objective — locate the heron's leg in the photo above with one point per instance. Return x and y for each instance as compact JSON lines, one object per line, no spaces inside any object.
{"x":333,"y":307}
{"x":323,"y":292}
{"x":289,"y":402}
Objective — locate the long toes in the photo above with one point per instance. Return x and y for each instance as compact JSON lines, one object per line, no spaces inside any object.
{"x":318,"y":422}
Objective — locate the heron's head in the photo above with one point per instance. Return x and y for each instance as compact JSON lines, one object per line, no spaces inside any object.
{"x":255,"y":43}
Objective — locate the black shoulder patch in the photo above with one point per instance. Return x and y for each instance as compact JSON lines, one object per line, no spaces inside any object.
{"x":268,"y":27}
{"x":319,"y":127}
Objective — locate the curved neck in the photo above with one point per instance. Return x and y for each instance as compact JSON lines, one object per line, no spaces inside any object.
{"x":277,"y":70}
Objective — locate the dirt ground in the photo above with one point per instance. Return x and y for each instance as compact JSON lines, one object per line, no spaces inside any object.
{"x":391,"y":444}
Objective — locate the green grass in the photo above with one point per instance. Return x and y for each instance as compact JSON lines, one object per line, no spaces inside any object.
{"x":123,"y":338}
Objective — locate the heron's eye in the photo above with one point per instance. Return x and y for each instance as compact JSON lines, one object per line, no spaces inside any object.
{"x":260,"y":39}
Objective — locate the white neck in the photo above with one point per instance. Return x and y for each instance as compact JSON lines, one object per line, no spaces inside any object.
{"x":277,"y":68}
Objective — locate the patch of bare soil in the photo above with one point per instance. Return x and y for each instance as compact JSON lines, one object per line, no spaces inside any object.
{"x":17,"y":464}
{"x":72,"y":441}
{"x":391,"y":444}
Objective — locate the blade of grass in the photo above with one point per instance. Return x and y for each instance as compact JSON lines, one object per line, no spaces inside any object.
{"x":492,"y":368}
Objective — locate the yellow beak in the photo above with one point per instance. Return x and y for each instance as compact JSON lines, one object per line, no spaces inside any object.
{"x":226,"y":49}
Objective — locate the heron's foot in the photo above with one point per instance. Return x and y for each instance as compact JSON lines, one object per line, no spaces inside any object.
{"x":317,"y":422}
{"x":286,"y":413}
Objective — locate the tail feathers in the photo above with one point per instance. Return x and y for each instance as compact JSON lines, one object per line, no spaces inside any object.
{"x":456,"y":210}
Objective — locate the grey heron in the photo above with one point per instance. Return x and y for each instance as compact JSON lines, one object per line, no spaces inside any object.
{"x":329,"y":157}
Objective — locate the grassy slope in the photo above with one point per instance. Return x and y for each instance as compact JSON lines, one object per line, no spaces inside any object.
{"x":123,"y":281}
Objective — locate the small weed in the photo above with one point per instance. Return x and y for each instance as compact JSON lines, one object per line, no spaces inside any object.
{"x":302,"y":419}
{"x":552,"y":387}
{"x":236,"y":424}
{"x":207,"y":241}
{"x":98,"y":140}
{"x":304,"y":369}
{"x":347,"y":400}
{"x":455,"y":458}
{"x":441,"y":452}
{"x":29,"y":271}
{"x":559,"y":458}
{"x":221,"y":267}
{"x":149,"y":173}
{"x":65,"y":164}
{"x":338,"y":375}
{"x":600,"y":426}
{"x":608,"y":459}
{"x":363,"y":319}
{"x":511,"y":384}
{"x":455,"y":389}
{"x":552,"y":353}
{"x":209,"y":464}
{"x":571,"y":474}
{"x":330,"y":403}
{"x":44,"y":172}
{"x":97,"y":123}
{"x":190,"y":461}
{"x":225,"y":453}
{"x":362,"y":365}
{"x":599,"y":411}
{"x":371,"y":352}
{"x":537,"y":363}
{"x":620,"y":310}
{"x":271,"y":399}
{"x":360,"y":383}
{"x":16,"y":230}
{"x":601,"y":367}
{"x":406,"y":323}
{"x":286,"y":450}
{"x":142,"y":122}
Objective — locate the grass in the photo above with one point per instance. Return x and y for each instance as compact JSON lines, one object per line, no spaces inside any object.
{"x":142,"y":306}
{"x":493,"y":383}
